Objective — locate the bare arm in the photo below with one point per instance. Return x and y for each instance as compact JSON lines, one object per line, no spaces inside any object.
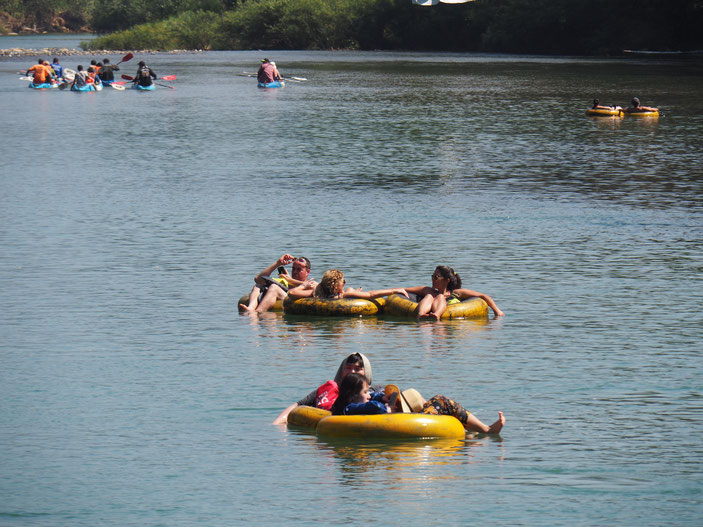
{"x":283,"y":417}
{"x":358,"y":293}
{"x":283,"y":260}
{"x":304,"y":290}
{"x":468,"y":293}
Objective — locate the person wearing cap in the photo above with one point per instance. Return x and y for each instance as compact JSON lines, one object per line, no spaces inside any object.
{"x":354,"y":363}
{"x":268,"y":290}
{"x":268,"y":72}
{"x":356,"y":398}
{"x":636,"y":107}
{"x":144,"y":75}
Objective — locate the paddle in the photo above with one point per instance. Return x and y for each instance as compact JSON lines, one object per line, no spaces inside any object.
{"x":26,"y":78}
{"x":129,"y":78}
{"x":128,"y":56}
{"x":118,"y":86}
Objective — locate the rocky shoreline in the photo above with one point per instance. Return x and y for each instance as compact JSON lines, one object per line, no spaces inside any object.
{"x":61,"y":52}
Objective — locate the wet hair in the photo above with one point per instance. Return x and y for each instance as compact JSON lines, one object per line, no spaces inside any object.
{"x":328,"y":283}
{"x":635,"y":102}
{"x":447,"y":272}
{"x":596,"y":102}
{"x":349,"y":388}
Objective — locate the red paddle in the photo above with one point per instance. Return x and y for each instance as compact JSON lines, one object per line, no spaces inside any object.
{"x":128,"y":56}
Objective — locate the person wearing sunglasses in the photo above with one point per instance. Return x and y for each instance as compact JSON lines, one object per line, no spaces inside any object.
{"x":267,"y":289}
{"x":445,"y":290}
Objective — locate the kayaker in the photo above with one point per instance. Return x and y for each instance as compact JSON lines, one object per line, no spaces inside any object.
{"x":107,"y":74}
{"x":268,"y":72}
{"x":355,"y":399}
{"x":445,"y":290}
{"x":58,"y":69}
{"x":636,"y":107}
{"x":354,"y":363}
{"x":144,"y":75}
{"x":41,"y":72}
{"x":267,"y":289}
{"x":81,"y":77}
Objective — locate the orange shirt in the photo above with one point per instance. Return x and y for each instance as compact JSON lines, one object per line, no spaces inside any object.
{"x":41,"y":73}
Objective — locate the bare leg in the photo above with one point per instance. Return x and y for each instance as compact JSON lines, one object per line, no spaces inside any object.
{"x":424,"y":306}
{"x":253,"y":301}
{"x":473,"y":424}
{"x":274,"y":293}
{"x":439,"y":306}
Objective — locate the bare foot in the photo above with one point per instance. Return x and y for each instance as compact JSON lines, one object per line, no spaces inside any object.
{"x":243,"y":308}
{"x":496,"y":427}
{"x":426,"y":315}
{"x":436,"y":316}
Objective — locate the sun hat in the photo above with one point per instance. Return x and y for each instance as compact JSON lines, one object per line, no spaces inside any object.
{"x":410,"y":400}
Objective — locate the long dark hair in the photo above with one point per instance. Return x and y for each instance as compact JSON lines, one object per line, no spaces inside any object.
{"x":447,"y":272}
{"x":351,"y":386}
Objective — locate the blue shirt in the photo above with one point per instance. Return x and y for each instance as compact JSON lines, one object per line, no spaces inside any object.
{"x":374,"y":406}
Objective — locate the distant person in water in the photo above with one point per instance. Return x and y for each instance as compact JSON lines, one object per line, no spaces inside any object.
{"x":445,"y":290}
{"x":332,"y":284}
{"x":356,"y":398}
{"x":267,"y":289}
{"x":597,"y":106}
{"x":637,"y":107}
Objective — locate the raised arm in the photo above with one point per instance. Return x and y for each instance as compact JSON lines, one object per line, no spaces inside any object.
{"x":468,"y":293}
{"x":283,"y":260}
{"x":304,"y":290}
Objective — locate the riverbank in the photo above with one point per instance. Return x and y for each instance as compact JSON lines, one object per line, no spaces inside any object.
{"x":22,"y":52}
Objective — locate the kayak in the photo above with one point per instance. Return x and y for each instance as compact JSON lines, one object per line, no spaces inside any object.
{"x":43,"y":85}
{"x":87,"y":87}
{"x":274,"y":84}
{"x":146,"y":88}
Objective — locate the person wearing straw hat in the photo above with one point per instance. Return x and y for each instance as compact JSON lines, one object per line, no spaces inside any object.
{"x":355,"y":398}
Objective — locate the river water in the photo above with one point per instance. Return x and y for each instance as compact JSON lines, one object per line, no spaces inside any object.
{"x":133,"y":393}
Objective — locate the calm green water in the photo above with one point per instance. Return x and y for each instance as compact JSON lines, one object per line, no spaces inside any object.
{"x":132,"y":393}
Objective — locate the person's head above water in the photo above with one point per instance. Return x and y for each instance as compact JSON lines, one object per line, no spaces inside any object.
{"x":301,"y":268}
{"x":353,"y":389}
{"x":354,"y":363}
{"x":596,"y":102}
{"x":442,"y":274}
{"x":635,"y":102}
{"x":331,"y":284}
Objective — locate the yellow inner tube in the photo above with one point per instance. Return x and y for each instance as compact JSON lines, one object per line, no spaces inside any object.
{"x":326,"y":307}
{"x":307,"y":416}
{"x":600,"y":112}
{"x":278,"y":306}
{"x":643,"y":114}
{"x":393,"y":426}
{"x":470,"y":308}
